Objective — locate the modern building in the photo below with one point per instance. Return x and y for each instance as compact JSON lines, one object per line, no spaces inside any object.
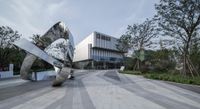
{"x":98,"y":51}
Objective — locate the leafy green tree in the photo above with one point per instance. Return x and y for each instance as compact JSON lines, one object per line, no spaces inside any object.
{"x":7,"y":36}
{"x":7,"y":50}
{"x":141,"y":35}
{"x":160,"y":60}
{"x":124,"y":43}
{"x":180,"y":19}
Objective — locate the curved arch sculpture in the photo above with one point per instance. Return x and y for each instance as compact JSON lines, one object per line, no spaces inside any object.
{"x":39,"y":50}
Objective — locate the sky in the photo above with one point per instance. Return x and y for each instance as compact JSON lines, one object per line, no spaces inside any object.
{"x":82,"y":17}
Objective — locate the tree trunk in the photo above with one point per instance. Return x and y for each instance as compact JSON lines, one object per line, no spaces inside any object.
{"x":184,"y":64}
{"x":137,"y":65}
{"x":188,"y":67}
{"x":192,"y":67}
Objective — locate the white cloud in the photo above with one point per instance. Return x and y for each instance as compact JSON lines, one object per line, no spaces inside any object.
{"x":33,"y":17}
{"x":138,"y":14}
{"x":53,"y":8}
{"x":7,"y":22}
{"x":82,"y":17}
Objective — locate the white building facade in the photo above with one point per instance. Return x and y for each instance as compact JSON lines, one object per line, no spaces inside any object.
{"x":98,"y":51}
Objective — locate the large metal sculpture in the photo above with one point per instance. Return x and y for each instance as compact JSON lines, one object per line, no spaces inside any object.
{"x":42,"y":49}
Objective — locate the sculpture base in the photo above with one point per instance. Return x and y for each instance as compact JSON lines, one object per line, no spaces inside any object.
{"x":65,"y":73}
{"x":57,"y":83}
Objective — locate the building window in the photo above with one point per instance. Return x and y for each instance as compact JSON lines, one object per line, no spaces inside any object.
{"x":98,"y":36}
{"x":108,"y":38}
{"x":103,"y":37}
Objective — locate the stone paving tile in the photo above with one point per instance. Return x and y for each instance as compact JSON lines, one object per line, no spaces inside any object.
{"x":106,"y":89}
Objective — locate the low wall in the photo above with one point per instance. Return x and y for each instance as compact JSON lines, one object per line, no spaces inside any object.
{"x":6,"y":74}
{"x":43,"y":75}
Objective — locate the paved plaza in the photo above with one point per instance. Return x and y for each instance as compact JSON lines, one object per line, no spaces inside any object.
{"x":103,"y":89}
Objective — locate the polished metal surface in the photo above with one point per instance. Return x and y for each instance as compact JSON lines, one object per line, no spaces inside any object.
{"x":39,"y":50}
{"x":34,"y":50}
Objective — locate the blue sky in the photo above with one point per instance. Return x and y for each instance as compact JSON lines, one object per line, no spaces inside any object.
{"x":81,"y":16}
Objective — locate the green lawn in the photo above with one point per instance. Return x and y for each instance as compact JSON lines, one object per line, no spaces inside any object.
{"x":166,"y":77}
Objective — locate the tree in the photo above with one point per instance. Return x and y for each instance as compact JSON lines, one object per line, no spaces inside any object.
{"x":180,"y":19}
{"x":7,"y":36}
{"x":7,"y":51}
{"x":195,"y":54}
{"x":141,"y":35}
{"x":159,"y":60}
{"x":124,"y":43}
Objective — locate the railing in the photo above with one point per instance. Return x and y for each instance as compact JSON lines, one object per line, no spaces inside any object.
{"x":7,"y":74}
{"x":110,"y":59}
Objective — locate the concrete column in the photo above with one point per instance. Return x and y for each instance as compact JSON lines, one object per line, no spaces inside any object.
{"x":11,"y":67}
{"x":92,"y":64}
{"x":104,"y":65}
